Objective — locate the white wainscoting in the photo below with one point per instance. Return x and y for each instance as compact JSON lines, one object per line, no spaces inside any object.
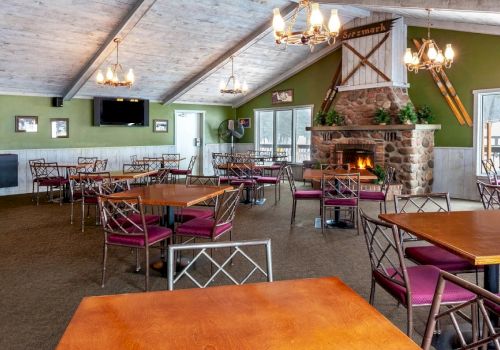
{"x":454,"y":172}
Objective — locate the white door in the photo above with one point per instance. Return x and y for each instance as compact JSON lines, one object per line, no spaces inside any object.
{"x":189,"y":138}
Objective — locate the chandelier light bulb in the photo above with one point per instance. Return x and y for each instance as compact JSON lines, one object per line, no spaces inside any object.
{"x":432,"y":52}
{"x":237,"y":85}
{"x":115,"y":78}
{"x":109,"y":74}
{"x":278,"y":22}
{"x":222,"y":85}
{"x":449,"y":53}
{"x":316,"y":16}
{"x":130,"y":76}
{"x":415,"y":60}
{"x":244,"y":87}
{"x":440,"y":57}
{"x":408,"y":56}
{"x":334,"y":22}
{"x":99,"y":77}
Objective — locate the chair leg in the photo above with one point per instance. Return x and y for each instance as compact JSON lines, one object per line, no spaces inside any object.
{"x":409,"y":321}
{"x":323,"y":219}
{"x":372,"y":292}
{"x":147,"y":268}
{"x":137,"y":262}
{"x":71,"y":213}
{"x":294,"y":207}
{"x":83,"y":216}
{"x":104,"y":260}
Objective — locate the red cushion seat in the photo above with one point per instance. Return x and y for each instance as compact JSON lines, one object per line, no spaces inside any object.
{"x":439,"y":257}
{"x":155,"y":234}
{"x":245,"y":182}
{"x":187,"y":214}
{"x":372,"y":195}
{"x":202,"y":227}
{"x":268,"y":179}
{"x":53,"y":181}
{"x":180,"y":172}
{"x":308,"y":194}
{"x":342,"y":202}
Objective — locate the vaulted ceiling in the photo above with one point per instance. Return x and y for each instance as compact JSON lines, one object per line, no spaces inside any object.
{"x":180,"y":50}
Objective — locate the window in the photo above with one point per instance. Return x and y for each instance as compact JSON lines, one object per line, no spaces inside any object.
{"x":284,"y":130}
{"x":487,"y":125}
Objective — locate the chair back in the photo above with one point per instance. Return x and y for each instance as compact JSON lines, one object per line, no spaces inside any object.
{"x":220,"y":164}
{"x":86,"y":160}
{"x":192,"y":161}
{"x":333,"y":167}
{"x":111,"y":187}
{"x":484,"y":308}
{"x":226,"y":206}
{"x":289,"y":175}
{"x":154,"y":163}
{"x":100,"y":165}
{"x":239,"y":252}
{"x":133,"y":158}
{"x":135,"y":168}
{"x":490,"y":195}
{"x":118,"y":214}
{"x":198,"y":180}
{"x":171,"y":160}
{"x":163,"y":176}
{"x":242,"y":166}
{"x":385,"y":251}
{"x":90,"y":182}
{"x":340,"y":186}
{"x":389,"y":177}
{"x":48,"y":170}
{"x":491,"y":171}
{"x":32,"y":163}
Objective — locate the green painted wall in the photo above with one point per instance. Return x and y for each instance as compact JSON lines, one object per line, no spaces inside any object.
{"x":309,"y":87}
{"x":81,"y":131}
{"x":475,"y":67}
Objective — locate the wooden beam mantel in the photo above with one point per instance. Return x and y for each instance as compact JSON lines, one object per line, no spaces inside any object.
{"x":122,"y":29}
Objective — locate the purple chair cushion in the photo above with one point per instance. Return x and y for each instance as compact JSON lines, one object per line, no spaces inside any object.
{"x":155,"y":234}
{"x":423,"y":280}
{"x":372,"y":195}
{"x":308,"y":194}
{"x":180,"y":172}
{"x":245,"y":182}
{"x":433,"y":255}
{"x":342,"y":202}
{"x":187,"y":214}
{"x":268,"y":180}
{"x":53,"y":181}
{"x":226,"y":179}
{"x":202,"y":227}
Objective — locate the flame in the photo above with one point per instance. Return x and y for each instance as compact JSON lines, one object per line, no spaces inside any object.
{"x":364,"y":162}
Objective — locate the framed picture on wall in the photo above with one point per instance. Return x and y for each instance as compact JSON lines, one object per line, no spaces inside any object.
{"x":282,"y":96}
{"x":26,"y":124}
{"x":245,"y":122}
{"x":160,"y":125}
{"x":59,"y":128}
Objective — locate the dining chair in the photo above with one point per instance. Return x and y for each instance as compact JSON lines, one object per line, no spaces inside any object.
{"x":221,"y":223}
{"x":240,"y":252}
{"x":154,"y":163}
{"x":88,"y":184}
{"x":34,"y":178}
{"x":340,"y":193}
{"x":100,"y":165}
{"x":274,"y":181}
{"x":137,"y":168}
{"x":121,"y":228}
{"x":242,"y":171}
{"x":171,"y":160}
{"x":86,"y":160}
{"x":133,"y":158}
{"x":204,"y":209}
{"x":162,"y":176}
{"x":490,"y":195}
{"x":484,"y":307}
{"x":333,"y":167}
{"x":178,"y":172}
{"x":48,"y":176}
{"x":380,"y":196}
{"x":491,"y":171}
{"x":300,"y":194}
{"x":411,"y":286}
{"x":429,"y":254}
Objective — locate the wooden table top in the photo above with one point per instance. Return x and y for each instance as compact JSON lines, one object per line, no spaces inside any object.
{"x":473,"y":235}
{"x":316,"y":174}
{"x":320,"y":313}
{"x":120,"y":175}
{"x":177,"y":195}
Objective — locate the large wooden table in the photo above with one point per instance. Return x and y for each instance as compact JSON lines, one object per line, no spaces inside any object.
{"x":316,"y":174}
{"x":120,"y":175}
{"x":473,"y":235}
{"x":320,"y":313}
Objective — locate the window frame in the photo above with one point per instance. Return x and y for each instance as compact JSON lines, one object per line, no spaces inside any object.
{"x":294,"y":125}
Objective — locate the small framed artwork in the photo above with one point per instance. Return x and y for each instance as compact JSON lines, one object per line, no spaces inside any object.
{"x":26,"y":124}
{"x":282,"y":96}
{"x":245,"y":122}
{"x":160,"y":125}
{"x":59,"y":128}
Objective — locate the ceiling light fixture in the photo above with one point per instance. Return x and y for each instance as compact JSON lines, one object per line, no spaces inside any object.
{"x":316,"y":31}
{"x":115,"y":72}
{"x":233,"y":85}
{"x":429,"y":56}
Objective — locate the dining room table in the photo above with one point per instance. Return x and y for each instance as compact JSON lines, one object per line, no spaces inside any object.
{"x":473,"y":235}
{"x":317,"y":313}
{"x":317,"y":174}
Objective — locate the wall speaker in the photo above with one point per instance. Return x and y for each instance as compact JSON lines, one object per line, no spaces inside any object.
{"x":57,"y":101}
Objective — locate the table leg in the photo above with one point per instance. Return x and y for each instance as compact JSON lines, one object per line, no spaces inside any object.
{"x":491,"y":284}
{"x":167,"y":219}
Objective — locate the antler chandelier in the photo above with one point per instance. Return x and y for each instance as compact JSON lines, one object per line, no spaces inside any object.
{"x":429,"y":56}
{"x":316,"y":31}
{"x":232,"y":85}
{"x":115,"y":72}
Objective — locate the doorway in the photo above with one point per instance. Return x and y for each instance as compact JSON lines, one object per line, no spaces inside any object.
{"x":189,"y":140}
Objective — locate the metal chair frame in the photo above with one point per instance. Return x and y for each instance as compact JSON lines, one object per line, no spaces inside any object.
{"x":100,"y":165}
{"x":490,"y":195}
{"x":277,"y":184}
{"x":200,"y":249}
{"x":478,"y":314}
{"x":293,"y":188}
{"x":47,"y":171}
{"x":384,"y":188}
{"x":154,"y":163}
{"x":491,"y":171}
{"x":90,"y":184}
{"x":34,"y":179}
{"x":171,"y":160}
{"x":189,"y":169}
{"x":137,"y":168}
{"x":163,"y":176}
{"x":87,"y":160}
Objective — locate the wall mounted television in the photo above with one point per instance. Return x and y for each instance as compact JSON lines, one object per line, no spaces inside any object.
{"x":121,"y":111}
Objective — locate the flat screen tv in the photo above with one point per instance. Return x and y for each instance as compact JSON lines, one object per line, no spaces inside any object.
{"x":121,"y":111}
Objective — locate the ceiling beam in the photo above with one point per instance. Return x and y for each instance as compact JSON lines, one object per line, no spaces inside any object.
{"x":311,"y":59}
{"x":248,"y":41}
{"x":121,"y":30}
{"x":346,"y":10}
{"x":458,"y":26}
{"x":460,"y":5}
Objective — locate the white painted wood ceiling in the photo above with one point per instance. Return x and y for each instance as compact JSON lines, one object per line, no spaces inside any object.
{"x":46,"y":43}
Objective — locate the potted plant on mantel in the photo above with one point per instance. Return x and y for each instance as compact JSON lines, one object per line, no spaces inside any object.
{"x":382,"y":117}
{"x":424,"y":115}
{"x":407,"y":114}
{"x":329,"y":118}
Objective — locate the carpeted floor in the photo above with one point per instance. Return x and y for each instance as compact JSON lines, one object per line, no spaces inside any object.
{"x":48,"y":265}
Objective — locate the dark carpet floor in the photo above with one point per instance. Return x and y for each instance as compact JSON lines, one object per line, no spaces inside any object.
{"x":47,"y":265}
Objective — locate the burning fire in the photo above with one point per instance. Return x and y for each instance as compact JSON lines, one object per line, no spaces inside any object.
{"x":364,"y":162}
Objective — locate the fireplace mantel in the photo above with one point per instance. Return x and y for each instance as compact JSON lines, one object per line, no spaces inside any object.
{"x":374,"y":127}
